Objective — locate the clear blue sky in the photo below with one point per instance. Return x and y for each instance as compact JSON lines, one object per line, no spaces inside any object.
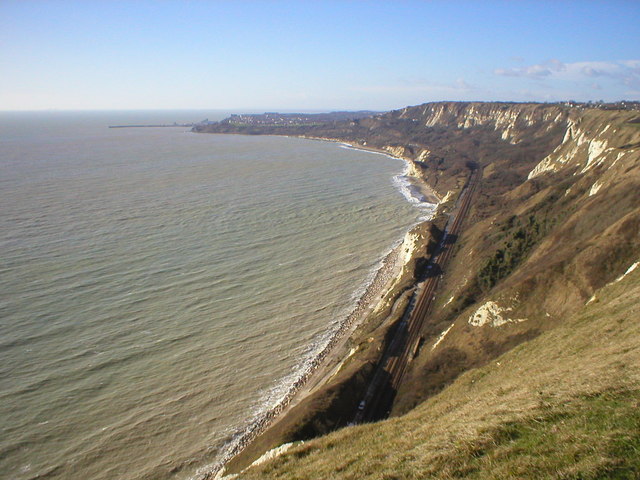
{"x":313,"y":55}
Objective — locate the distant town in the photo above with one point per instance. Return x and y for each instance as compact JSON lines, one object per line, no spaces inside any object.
{"x":622,"y":105}
{"x":292,"y":119}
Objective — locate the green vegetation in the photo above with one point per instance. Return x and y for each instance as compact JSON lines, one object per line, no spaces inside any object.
{"x":522,"y":236}
{"x":557,"y":441}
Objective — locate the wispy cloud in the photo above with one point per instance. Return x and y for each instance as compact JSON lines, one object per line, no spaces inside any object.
{"x":626,"y":72}
{"x":533,"y":71}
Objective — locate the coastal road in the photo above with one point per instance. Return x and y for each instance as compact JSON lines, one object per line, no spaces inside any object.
{"x":407,"y":341}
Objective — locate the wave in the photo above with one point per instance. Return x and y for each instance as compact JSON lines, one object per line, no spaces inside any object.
{"x":412,"y":192}
{"x":407,"y":185}
{"x":347,"y":146}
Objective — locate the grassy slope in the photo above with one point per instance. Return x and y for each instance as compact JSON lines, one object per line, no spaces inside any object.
{"x":564,"y":405}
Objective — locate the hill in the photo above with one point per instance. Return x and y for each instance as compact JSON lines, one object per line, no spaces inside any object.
{"x":531,"y":351}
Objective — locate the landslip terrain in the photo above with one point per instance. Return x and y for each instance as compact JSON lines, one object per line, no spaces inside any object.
{"x":526,"y":363}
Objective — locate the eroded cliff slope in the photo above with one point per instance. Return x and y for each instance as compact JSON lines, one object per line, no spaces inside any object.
{"x":539,"y":244}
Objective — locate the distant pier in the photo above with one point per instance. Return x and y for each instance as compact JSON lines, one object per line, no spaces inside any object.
{"x":154,"y":126}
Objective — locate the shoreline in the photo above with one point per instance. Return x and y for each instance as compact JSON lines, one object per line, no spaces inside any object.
{"x":321,"y":365}
{"x":428,"y":194}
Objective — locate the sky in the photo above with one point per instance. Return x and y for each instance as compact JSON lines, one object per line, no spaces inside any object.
{"x":313,"y":55}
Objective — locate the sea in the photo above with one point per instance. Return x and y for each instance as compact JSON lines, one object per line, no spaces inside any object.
{"x":160,"y":289}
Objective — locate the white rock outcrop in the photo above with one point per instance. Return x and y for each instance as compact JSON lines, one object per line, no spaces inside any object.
{"x":441,"y":337}
{"x":273,"y":453}
{"x":629,"y":270}
{"x":492,"y":314}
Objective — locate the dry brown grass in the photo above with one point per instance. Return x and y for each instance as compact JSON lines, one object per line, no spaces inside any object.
{"x":565,"y":405}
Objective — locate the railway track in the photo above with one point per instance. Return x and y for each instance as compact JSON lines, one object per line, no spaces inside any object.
{"x":407,"y":340}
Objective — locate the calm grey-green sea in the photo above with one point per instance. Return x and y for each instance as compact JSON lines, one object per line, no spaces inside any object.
{"x":159,"y":289}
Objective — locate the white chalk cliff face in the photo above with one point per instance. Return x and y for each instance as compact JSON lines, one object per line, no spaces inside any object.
{"x":396,"y":151}
{"x":510,"y":120}
{"x":588,"y":144}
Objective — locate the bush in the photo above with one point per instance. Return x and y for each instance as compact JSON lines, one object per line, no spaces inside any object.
{"x":522,"y":236}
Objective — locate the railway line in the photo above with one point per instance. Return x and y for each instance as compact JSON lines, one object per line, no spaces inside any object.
{"x":407,"y":341}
